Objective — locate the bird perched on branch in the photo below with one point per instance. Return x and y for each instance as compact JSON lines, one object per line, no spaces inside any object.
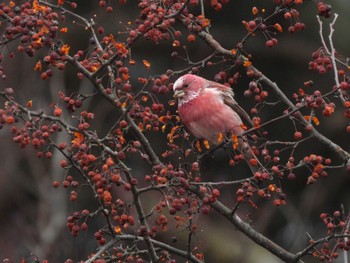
{"x":207,"y":108}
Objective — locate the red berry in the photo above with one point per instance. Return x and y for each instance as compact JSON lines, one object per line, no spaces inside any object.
{"x":330,"y":226}
{"x":84,"y":226}
{"x":191,"y":38}
{"x":65,"y":184}
{"x":323,"y":216}
{"x":123,"y":124}
{"x":309,"y":128}
{"x":127,"y":187}
{"x":291,"y":176}
{"x":344,"y":85}
{"x":63,"y":163}
{"x":73,"y":196}
{"x":269,"y":43}
{"x":215,"y":193}
{"x":205,"y":210}
{"x":121,"y":155}
{"x":298,"y":135}
{"x":336,"y":213}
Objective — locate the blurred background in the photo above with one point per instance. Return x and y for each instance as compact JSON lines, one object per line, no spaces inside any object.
{"x":33,"y":214}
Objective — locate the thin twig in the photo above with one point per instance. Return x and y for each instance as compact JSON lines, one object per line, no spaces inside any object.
{"x":223,"y":182}
{"x":314,"y":243}
{"x":101,"y":250}
{"x":162,"y":245}
{"x":178,"y":12}
{"x":127,"y":237}
{"x":334,"y":63}
{"x":321,"y":35}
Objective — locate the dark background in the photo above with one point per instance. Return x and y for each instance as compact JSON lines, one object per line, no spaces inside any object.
{"x":33,"y":213}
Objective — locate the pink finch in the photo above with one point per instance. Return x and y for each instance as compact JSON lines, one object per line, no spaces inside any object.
{"x":208,"y":108}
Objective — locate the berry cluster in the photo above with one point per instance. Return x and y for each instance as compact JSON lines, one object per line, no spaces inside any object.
{"x":249,"y":190}
{"x":324,"y":9}
{"x":149,"y":119}
{"x":256,"y":89}
{"x":326,"y":249}
{"x":34,"y":132}
{"x":321,"y":62}
{"x":36,"y":26}
{"x":77,"y":222}
{"x":317,"y":164}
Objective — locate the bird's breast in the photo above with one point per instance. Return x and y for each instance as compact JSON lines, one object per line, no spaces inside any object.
{"x":207,"y":115}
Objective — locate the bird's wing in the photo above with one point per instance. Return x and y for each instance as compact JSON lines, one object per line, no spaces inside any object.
{"x":227,"y":95}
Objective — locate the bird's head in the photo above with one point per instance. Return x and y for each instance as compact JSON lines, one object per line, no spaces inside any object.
{"x":188,"y":87}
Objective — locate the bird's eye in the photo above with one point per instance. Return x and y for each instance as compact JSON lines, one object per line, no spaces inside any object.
{"x":186,"y":85}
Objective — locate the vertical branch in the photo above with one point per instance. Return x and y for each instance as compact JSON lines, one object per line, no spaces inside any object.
{"x":321,"y":34}
{"x":334,"y":64}
{"x":203,"y":14}
{"x":330,"y":38}
{"x":137,"y":202}
{"x":346,"y":230}
{"x":331,"y":51}
{"x":142,"y":217}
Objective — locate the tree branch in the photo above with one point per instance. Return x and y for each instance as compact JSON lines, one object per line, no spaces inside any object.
{"x":250,"y":231}
{"x":344,"y":155}
{"x":127,"y":237}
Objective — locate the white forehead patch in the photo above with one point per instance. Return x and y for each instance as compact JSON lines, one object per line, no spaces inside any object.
{"x":178,"y":83}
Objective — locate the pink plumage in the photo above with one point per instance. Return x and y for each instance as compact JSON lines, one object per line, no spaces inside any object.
{"x":206,"y":107}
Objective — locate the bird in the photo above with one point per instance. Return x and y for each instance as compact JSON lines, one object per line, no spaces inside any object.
{"x":208,"y":108}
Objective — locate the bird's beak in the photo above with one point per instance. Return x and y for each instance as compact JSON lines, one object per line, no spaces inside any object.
{"x":178,"y":94}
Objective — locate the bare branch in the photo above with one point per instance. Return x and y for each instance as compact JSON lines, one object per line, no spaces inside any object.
{"x":249,"y":231}
{"x":334,"y":63}
{"x":344,"y":155}
{"x":159,"y":244}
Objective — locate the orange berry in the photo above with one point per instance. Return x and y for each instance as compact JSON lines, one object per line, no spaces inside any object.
{"x":10,"y":119}
{"x":191,"y":38}
{"x":57,"y":112}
